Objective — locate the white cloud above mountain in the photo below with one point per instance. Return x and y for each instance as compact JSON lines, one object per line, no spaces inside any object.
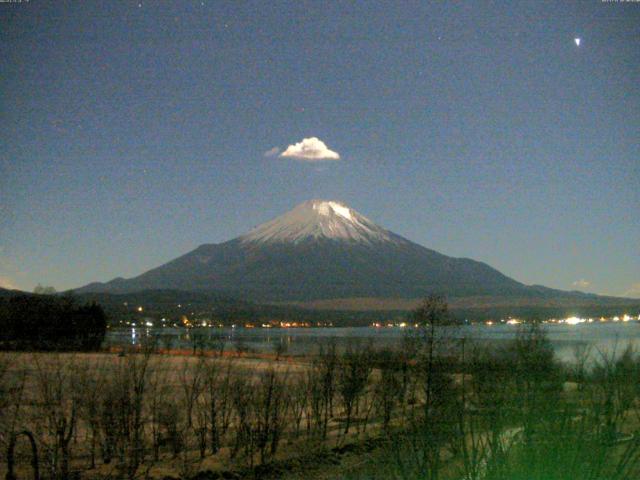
{"x":310,"y":149}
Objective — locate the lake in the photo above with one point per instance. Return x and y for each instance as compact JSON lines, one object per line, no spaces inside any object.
{"x":608,"y":338}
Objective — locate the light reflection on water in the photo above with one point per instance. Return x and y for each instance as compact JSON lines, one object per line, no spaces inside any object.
{"x":603,"y":338}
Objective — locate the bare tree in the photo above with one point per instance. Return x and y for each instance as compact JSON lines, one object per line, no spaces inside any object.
{"x":321,"y":382}
{"x":191,"y":384}
{"x":280,"y":348}
{"x":216,"y":401}
{"x":122,"y":413}
{"x":56,"y":389}
{"x":418,"y":450}
{"x":35,"y":466}
{"x":298,"y":388}
{"x":244,"y":419}
{"x":170,"y":421}
{"x":12,"y":386}
{"x":90,"y":391}
{"x":157,"y":391}
{"x":270,"y":412}
{"x":353,"y":373}
{"x":389,"y":388}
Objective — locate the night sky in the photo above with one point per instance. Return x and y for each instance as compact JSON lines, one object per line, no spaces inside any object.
{"x":132,"y":132}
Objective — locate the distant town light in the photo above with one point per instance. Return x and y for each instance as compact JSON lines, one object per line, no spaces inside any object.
{"x":573,"y":320}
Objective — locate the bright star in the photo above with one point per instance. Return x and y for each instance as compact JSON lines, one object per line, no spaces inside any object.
{"x":577,"y":40}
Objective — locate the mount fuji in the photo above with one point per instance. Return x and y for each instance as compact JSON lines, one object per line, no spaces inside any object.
{"x":325,"y":251}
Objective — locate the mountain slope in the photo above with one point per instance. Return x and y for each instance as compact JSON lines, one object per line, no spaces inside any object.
{"x":324,"y":250}
{"x":319,"y":250}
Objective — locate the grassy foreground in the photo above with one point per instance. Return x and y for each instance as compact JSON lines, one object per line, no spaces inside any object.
{"x":433,"y":409}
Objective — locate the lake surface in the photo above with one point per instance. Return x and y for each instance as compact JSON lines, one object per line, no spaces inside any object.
{"x":608,"y":338}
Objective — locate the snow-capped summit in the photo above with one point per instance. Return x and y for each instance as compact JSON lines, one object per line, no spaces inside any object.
{"x":316,"y":219}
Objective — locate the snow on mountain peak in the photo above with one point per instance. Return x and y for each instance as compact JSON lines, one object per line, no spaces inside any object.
{"x":325,"y":208}
{"x":319,"y":219}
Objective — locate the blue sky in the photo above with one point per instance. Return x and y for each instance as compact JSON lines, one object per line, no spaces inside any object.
{"x":135,"y":131}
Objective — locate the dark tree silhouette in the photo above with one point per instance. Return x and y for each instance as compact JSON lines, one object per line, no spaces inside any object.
{"x":45,"y":322}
